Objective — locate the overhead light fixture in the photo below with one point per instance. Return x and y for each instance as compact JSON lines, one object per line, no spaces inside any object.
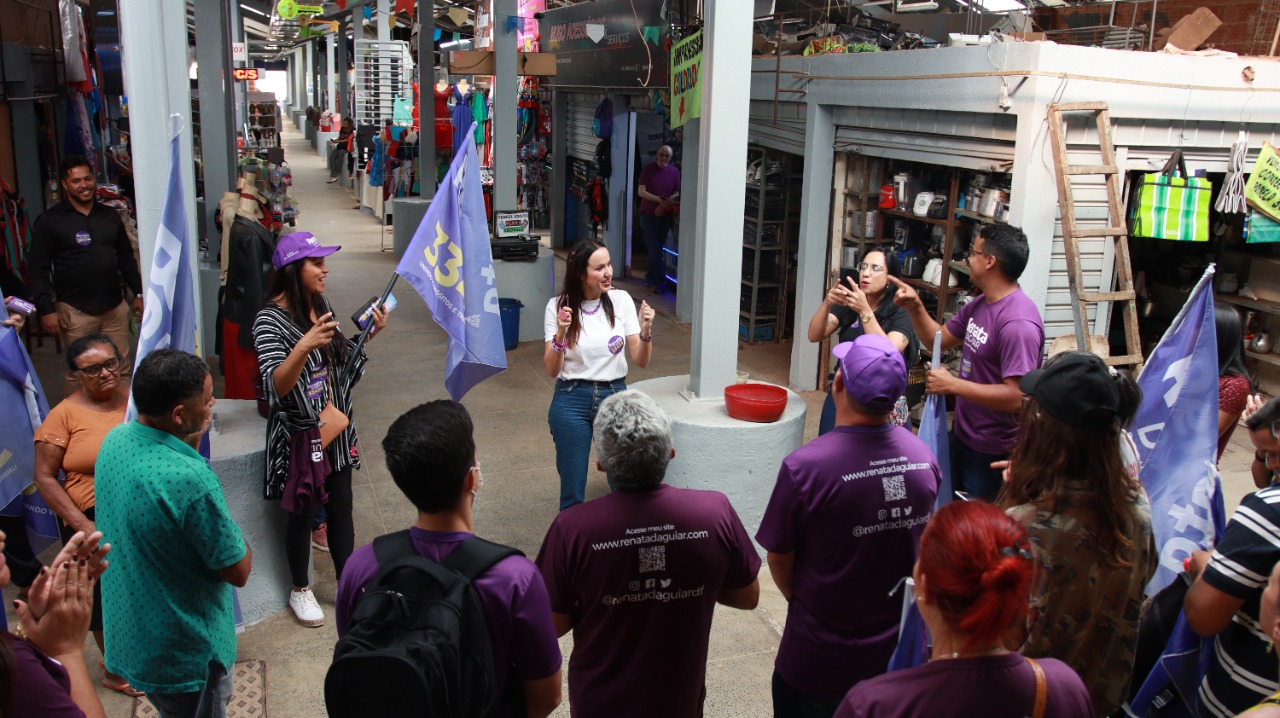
{"x":454,"y":43}
{"x":926,"y":6}
{"x":253,"y":10}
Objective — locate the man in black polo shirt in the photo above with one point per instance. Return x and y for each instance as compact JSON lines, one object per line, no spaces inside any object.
{"x":81,"y":259}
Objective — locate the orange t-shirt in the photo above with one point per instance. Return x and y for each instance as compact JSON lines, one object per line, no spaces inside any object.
{"x":80,"y":431}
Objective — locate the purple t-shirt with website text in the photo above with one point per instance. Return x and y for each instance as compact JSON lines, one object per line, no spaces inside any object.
{"x":1001,"y":340}
{"x":660,"y":181}
{"x":851,"y":505}
{"x":640,"y":573}
{"x":515,"y":607}
{"x":1001,"y":686}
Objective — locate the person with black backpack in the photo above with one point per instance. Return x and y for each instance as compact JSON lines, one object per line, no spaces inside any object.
{"x":435,"y":621}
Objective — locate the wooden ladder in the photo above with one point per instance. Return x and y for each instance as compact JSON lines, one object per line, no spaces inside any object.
{"x":1115,"y":229}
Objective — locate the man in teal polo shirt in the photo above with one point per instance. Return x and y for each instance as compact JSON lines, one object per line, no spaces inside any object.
{"x":167,"y":606}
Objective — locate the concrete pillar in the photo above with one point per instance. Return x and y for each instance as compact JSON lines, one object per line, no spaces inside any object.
{"x":214,"y":82}
{"x":1035,"y":178}
{"x":560,"y":166}
{"x":382,"y":16}
{"x":308,"y":78}
{"x":811,"y":261}
{"x":331,"y":69}
{"x":154,"y":55}
{"x":688,"y":240}
{"x":239,"y":110}
{"x":618,"y":235}
{"x":720,"y":196}
{"x":504,"y":109}
{"x":344,"y":85}
{"x":426,"y":99}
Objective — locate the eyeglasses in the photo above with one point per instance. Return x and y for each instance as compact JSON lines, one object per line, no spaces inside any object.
{"x":110,"y":365}
{"x":973,"y":251}
{"x":873,"y":268}
{"x":664,"y":154}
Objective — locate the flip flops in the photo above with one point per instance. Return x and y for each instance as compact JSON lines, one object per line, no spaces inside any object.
{"x":124,"y":687}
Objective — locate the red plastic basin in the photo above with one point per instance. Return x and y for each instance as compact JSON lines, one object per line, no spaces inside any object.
{"x":760,"y":403}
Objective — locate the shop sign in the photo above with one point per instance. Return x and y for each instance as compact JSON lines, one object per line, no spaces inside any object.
{"x":239,"y":52}
{"x":686,"y":80}
{"x":527,"y":29}
{"x":1263,"y":190}
{"x":245,"y":74}
{"x":607,"y":43}
{"x":289,"y":9}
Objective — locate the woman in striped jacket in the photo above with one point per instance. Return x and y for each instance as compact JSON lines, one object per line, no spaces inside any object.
{"x":303,"y":356}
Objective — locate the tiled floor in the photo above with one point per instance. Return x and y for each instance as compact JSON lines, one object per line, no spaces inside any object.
{"x":519,"y":499}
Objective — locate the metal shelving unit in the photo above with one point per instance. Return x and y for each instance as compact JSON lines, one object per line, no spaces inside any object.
{"x":384,"y":72}
{"x":766,"y":251}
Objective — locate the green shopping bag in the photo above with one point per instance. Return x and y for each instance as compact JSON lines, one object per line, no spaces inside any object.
{"x":1170,"y":205}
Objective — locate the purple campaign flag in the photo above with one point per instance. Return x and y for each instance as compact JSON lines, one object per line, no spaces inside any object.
{"x":23,"y":406}
{"x":169,"y":308}
{"x":913,"y":635}
{"x":449,"y":263}
{"x":1176,"y":433}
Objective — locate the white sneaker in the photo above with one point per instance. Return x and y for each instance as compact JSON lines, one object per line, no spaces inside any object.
{"x":305,"y":609}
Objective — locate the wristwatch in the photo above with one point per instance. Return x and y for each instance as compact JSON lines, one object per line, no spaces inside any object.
{"x":867,"y":318}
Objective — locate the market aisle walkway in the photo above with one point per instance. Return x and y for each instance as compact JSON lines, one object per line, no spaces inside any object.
{"x":520,"y":495}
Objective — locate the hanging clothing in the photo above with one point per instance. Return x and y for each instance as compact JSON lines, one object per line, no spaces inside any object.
{"x":462,"y":117}
{"x":15,"y":230}
{"x":378,"y":164}
{"x":444,"y":127}
{"x":479,"y":113}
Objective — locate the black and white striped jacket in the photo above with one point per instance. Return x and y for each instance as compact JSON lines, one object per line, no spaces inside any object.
{"x":275,"y":335}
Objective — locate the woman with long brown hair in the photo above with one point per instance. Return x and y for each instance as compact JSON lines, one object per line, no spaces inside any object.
{"x":1090,"y":526}
{"x":303,"y":358}
{"x":586,"y":327}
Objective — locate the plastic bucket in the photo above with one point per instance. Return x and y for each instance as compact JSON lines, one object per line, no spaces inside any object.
{"x":509,"y":309}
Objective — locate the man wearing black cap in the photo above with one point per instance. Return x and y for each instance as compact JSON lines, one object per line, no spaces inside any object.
{"x":842,"y":529}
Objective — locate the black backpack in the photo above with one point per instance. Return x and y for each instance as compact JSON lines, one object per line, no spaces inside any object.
{"x":418,"y":644}
{"x":604,"y":159}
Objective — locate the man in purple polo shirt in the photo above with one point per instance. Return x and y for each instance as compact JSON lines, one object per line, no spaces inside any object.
{"x":659,"y":187}
{"x":842,"y":529}
{"x":1003,"y":338}
{"x":432,"y":458}
{"x":636,"y":574}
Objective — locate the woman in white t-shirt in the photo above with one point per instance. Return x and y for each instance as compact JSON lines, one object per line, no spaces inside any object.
{"x":586,"y":327}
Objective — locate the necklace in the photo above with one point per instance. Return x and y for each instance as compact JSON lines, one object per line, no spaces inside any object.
{"x":583,"y":308}
{"x":984,"y":652}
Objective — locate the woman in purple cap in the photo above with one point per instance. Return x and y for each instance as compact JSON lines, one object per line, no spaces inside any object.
{"x":302,"y":356}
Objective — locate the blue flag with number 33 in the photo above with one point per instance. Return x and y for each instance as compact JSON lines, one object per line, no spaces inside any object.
{"x":449,"y":263}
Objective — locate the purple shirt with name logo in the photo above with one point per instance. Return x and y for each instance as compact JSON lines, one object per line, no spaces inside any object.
{"x":640,"y":572}
{"x":1001,"y":340}
{"x":851,"y":505}
{"x":515,"y":606}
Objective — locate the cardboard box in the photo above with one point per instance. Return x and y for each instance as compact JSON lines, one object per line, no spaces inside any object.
{"x":1190,"y":32}
{"x":470,"y":62}
{"x":1028,"y":36}
{"x":536,"y":63}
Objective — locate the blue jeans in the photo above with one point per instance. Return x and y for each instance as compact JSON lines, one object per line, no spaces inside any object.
{"x":573,"y":410}
{"x":971,"y":471}
{"x":789,"y":702}
{"x":208,"y":703}
{"x":655,"y":230}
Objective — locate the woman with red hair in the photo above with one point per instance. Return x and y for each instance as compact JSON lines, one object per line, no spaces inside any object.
{"x":972,"y":580}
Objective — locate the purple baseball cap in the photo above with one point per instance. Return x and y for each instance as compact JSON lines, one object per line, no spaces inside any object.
{"x":299,"y":245}
{"x":874,"y":372}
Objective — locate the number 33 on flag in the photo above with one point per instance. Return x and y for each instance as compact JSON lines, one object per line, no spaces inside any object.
{"x":450,"y":274}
